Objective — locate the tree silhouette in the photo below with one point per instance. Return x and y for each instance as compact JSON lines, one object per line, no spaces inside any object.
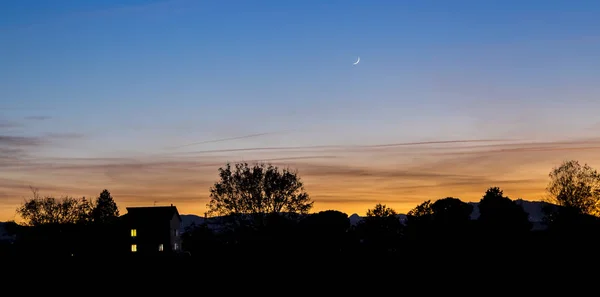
{"x":419,"y":222}
{"x":452,"y":219}
{"x":575,"y":187}
{"x":105,"y":209}
{"x":325,"y":230}
{"x":257,"y":190}
{"x":327,"y":222}
{"x":446,"y":219}
{"x":49,"y":210}
{"x":381,"y":229}
{"x":421,"y":210}
{"x":381,"y":211}
{"x":500,"y":216}
{"x":199,"y":239}
{"x":85,"y":208}
{"x":451,"y":211}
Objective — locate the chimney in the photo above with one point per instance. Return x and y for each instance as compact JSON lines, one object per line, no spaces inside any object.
{"x":171,"y":204}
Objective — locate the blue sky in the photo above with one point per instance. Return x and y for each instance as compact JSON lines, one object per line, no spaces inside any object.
{"x":133,"y":78}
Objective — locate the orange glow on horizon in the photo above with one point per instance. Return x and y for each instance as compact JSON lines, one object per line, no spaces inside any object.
{"x":351,"y":183}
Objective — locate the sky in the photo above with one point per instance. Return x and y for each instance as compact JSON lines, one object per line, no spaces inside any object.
{"x":149,"y":98}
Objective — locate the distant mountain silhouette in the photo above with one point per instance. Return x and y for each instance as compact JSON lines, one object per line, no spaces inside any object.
{"x":354,"y":219}
{"x":189,"y":219}
{"x":3,"y":234}
{"x":533,"y":208}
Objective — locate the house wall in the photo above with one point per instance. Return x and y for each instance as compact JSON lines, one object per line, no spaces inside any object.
{"x":175,"y":237}
{"x":150,"y":236}
{"x":153,"y":232}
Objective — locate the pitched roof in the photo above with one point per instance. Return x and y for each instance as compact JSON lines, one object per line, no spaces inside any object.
{"x":152,"y":213}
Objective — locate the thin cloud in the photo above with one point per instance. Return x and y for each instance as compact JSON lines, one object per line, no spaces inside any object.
{"x":228,"y":139}
{"x":335,"y":200}
{"x":38,"y":118}
{"x":401,"y":184}
{"x":434,"y":142}
{"x":374,"y":173}
{"x":272,"y":160}
{"x":488,"y":152}
{"x":6,"y":141}
{"x":339,"y":147}
{"x":14,"y":141}
{"x":530,"y":149}
{"x":324,"y":147}
{"x":16,"y":151}
{"x":319,"y":170}
{"x":6,"y":124}
{"x":127,"y":165}
{"x":594,"y":127}
{"x":64,"y":135}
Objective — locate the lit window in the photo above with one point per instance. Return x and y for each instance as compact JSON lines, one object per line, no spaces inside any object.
{"x":134,"y":247}
{"x":176,"y":247}
{"x":160,"y":247}
{"x":133,"y":232}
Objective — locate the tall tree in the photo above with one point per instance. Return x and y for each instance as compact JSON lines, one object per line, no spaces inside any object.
{"x":105,"y":209}
{"x":257,"y":190}
{"x":575,"y":187}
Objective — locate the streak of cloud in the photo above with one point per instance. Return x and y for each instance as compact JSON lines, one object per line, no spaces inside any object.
{"x":5,"y":124}
{"x":334,"y":200}
{"x":228,"y":139}
{"x":431,"y":170}
{"x":64,"y":135}
{"x":338,"y":147}
{"x":18,"y":151}
{"x":434,"y":142}
{"x":38,"y":118}
{"x":7,"y":140}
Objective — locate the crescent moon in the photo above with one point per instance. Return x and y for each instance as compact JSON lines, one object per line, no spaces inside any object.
{"x":357,"y":61}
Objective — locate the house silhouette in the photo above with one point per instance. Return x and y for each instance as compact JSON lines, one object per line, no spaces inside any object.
{"x":153,"y":230}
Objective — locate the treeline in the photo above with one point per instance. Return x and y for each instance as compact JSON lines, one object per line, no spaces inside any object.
{"x":263,"y":209}
{"x":65,"y":226}
{"x":433,"y":226}
{"x":258,"y":210}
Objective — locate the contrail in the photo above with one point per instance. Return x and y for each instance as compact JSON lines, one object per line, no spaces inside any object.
{"x":329,"y":147}
{"x":227,"y":139}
